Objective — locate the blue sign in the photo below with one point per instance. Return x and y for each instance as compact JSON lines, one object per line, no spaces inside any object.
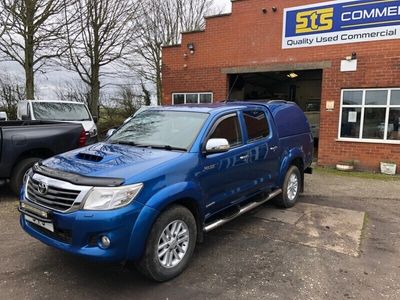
{"x":339,"y":22}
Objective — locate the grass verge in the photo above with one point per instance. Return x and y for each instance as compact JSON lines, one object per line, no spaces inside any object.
{"x":357,"y":174}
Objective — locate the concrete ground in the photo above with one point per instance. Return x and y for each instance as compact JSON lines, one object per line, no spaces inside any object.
{"x":342,"y":241}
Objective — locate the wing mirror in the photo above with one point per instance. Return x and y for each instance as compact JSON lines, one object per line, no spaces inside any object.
{"x":110,"y":132}
{"x":217,"y":146}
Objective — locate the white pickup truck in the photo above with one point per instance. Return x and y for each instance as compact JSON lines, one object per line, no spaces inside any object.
{"x":62,"y":111}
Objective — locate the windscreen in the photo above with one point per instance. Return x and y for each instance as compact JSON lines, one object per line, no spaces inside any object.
{"x":48,"y":111}
{"x":162,"y":129}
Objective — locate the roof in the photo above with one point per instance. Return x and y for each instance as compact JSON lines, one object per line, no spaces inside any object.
{"x":221,"y":106}
{"x":54,"y":101}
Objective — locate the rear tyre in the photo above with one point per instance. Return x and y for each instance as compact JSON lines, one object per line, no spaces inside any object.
{"x":170,"y":245}
{"x":291,"y":188}
{"x":20,"y":171}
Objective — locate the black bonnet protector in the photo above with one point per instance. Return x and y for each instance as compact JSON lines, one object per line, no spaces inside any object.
{"x":76,"y":178}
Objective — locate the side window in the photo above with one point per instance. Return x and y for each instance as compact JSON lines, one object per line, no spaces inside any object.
{"x":257,"y":125}
{"x":229,"y":129}
{"x":23,"y":109}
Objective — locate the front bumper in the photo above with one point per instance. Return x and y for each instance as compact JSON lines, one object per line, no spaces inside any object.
{"x":79,"y":232}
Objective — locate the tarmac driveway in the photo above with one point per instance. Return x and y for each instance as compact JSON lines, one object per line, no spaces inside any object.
{"x":342,"y":241}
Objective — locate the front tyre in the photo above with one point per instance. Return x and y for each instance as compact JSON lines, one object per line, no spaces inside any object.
{"x":291,"y":188}
{"x":170,"y":244}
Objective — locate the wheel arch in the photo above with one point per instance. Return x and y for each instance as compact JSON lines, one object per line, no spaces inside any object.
{"x":299,"y":163}
{"x":192,"y":205}
{"x":37,"y":152}
{"x":295,"y":157}
{"x":185,"y":194}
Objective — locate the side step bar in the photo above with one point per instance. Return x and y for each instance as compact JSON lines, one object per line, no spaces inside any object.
{"x":243,"y":210}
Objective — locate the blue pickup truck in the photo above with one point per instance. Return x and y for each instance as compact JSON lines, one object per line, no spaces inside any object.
{"x":153,"y":188}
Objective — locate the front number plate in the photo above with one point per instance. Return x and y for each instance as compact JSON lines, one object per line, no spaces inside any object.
{"x":47,"y":225}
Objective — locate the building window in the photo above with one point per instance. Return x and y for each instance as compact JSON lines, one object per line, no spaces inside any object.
{"x":192,"y":98}
{"x":370,"y":115}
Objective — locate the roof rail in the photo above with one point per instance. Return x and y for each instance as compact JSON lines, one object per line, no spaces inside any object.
{"x":259,"y":101}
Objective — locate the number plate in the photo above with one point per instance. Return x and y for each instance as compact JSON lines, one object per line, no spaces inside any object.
{"x":47,"y":225}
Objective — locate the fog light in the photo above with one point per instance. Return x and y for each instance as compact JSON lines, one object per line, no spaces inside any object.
{"x":105,"y":242}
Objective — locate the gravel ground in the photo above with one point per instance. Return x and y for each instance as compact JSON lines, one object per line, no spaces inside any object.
{"x":247,"y":258}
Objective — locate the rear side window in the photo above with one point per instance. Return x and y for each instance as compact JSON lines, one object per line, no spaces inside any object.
{"x":256,"y":124}
{"x":229,"y":129}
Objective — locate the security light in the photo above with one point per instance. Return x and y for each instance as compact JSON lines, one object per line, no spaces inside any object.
{"x":292,"y":75}
{"x":191,"y":48}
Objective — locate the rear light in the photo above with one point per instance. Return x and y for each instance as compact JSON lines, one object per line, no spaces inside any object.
{"x":82,"y":139}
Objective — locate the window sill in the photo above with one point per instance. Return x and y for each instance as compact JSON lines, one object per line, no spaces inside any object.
{"x":365,"y":141}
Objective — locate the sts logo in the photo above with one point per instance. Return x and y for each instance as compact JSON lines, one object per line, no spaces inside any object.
{"x":314,"y":20}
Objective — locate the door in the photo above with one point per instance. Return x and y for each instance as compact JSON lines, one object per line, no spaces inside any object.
{"x":264,"y":150}
{"x":223,"y":175}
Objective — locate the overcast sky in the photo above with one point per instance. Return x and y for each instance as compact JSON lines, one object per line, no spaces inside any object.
{"x":48,"y":83}
{"x":223,"y":4}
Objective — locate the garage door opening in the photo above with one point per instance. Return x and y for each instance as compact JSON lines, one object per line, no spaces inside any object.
{"x":303,"y":87}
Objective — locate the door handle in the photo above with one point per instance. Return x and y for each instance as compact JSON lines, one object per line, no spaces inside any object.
{"x":243,"y":157}
{"x":273,"y":148}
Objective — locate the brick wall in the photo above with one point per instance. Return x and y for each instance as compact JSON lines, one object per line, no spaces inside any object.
{"x":250,"y":38}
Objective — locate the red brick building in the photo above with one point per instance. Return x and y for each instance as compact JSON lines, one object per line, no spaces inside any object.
{"x":339,"y":60}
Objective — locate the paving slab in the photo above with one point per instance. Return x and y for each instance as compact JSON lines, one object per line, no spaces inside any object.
{"x":317,"y":226}
{"x":330,"y":228}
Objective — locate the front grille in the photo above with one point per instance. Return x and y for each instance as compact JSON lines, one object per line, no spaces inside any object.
{"x":54,"y":198}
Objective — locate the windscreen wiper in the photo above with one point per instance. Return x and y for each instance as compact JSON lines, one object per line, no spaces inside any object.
{"x":167,"y":147}
{"x":164,"y":147}
{"x":125,"y":143}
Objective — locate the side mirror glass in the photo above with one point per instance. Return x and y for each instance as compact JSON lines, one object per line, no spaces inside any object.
{"x":217,"y":146}
{"x":95,"y":119}
{"x":110,"y":132}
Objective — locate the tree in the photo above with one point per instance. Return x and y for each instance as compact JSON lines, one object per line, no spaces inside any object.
{"x":161,"y":25}
{"x":73,"y":91}
{"x":146,"y":94}
{"x":99,"y":36}
{"x":128,"y":100}
{"x":10,"y":93}
{"x":32,"y":29}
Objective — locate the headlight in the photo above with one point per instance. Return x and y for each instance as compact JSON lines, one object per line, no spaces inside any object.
{"x":111,"y":198}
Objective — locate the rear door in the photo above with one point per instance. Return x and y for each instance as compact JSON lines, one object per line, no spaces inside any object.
{"x":263,"y":147}
{"x":224,"y":175}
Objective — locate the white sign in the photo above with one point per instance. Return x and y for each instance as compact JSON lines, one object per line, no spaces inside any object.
{"x":340,"y":22}
{"x":352,"y":117}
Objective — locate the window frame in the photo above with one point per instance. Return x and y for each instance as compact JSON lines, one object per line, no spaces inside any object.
{"x":215,"y":125}
{"x":363,"y":107}
{"x":248,"y":140}
{"x":185,"y":94}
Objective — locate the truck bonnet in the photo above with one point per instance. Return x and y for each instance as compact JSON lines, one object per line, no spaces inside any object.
{"x":110,"y":160}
